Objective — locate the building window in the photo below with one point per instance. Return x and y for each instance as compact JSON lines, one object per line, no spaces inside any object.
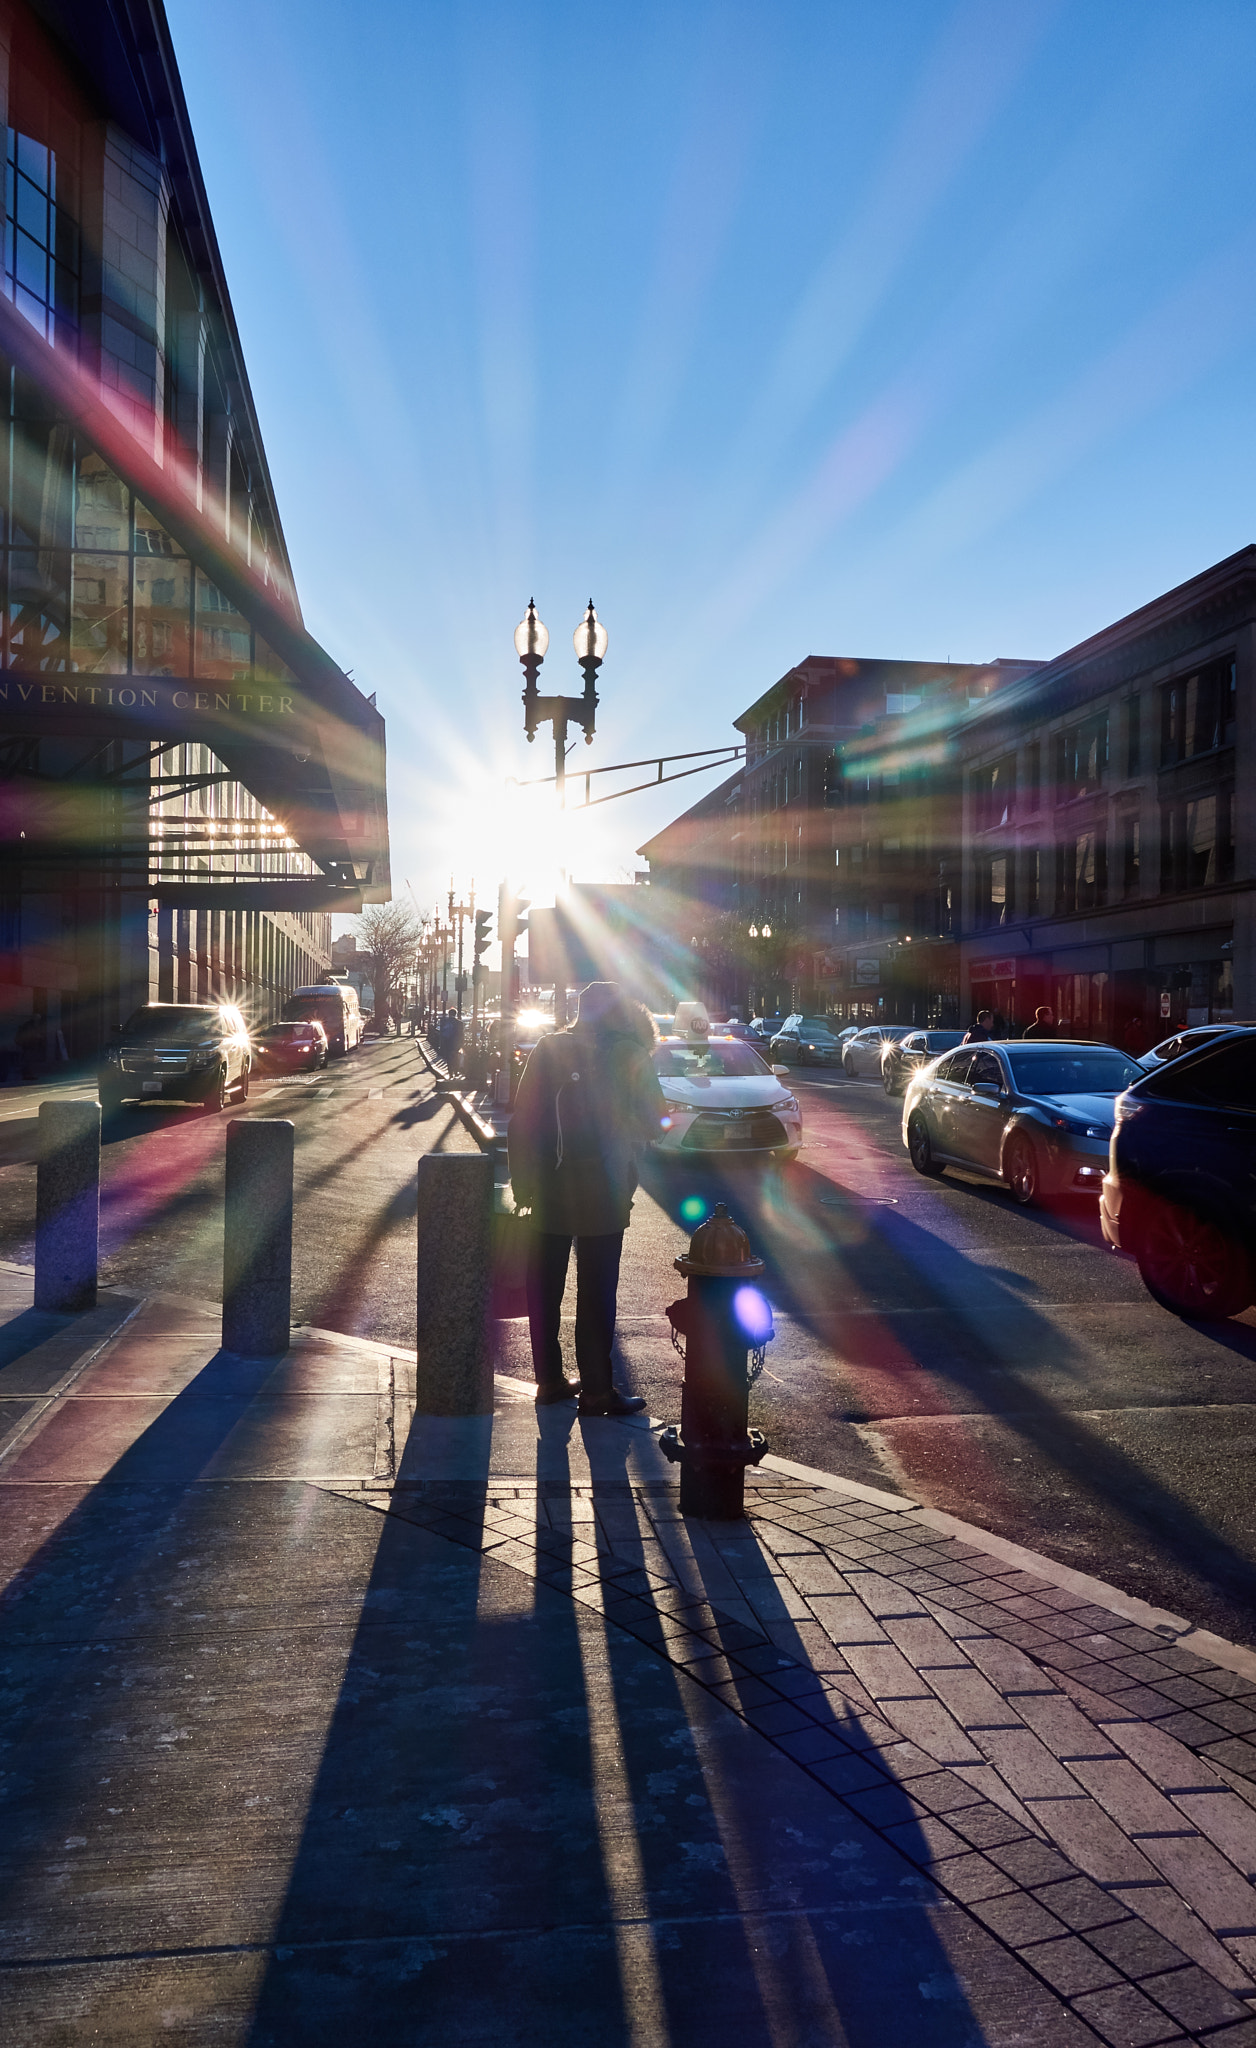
{"x":1081,"y":875}
{"x":41,"y":242}
{"x":1197,"y":713}
{"x":996,"y":791}
{"x":1031,"y":881}
{"x":1131,"y":854}
{"x":1134,"y":736}
{"x":1081,"y":758}
{"x":1197,"y":842}
{"x":994,"y":889}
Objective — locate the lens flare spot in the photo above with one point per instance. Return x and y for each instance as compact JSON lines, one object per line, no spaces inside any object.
{"x":693,"y":1210}
{"x":753,"y":1314}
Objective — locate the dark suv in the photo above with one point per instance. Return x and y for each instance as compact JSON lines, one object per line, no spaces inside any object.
{"x":1180,"y":1190}
{"x":193,"y":1052}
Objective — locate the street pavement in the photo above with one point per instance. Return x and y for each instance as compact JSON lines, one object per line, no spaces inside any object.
{"x":360,"y":1123}
{"x":931,"y":1338}
{"x":995,"y":1362}
{"x":324,"y":1719}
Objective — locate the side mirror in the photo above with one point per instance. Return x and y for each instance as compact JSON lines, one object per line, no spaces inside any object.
{"x":989,"y":1091}
{"x":782,"y":1073}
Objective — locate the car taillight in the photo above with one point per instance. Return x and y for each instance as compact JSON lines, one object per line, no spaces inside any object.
{"x":1125,"y":1109}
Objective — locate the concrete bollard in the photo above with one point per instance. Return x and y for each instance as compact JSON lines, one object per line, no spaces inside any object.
{"x":455,"y":1371}
{"x":67,"y":1205}
{"x":257,"y":1238}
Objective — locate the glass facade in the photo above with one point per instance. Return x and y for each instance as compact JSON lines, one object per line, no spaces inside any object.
{"x":91,"y":582}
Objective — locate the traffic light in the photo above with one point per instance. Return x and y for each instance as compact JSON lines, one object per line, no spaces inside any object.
{"x":512,"y":920}
{"x":483,"y":919}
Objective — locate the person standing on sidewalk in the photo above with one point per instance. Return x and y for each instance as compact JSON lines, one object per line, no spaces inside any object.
{"x":980,"y":1032}
{"x":588,"y":1102}
{"x":1043,"y":1025}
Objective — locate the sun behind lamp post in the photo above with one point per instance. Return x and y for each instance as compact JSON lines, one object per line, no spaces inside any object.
{"x":531,"y":644}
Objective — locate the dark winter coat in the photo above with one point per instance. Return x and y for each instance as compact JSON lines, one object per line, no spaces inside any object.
{"x":588,"y":1103}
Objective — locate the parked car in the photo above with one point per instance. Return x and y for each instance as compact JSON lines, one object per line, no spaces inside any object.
{"x":763,"y":1030}
{"x":1181,"y":1041}
{"x":723,"y":1099}
{"x":186,"y":1052}
{"x":1036,"y":1116}
{"x":811,"y":1041}
{"x":861,"y":1055}
{"x":291,"y":1048}
{"x":1180,"y":1190}
{"x":900,"y":1057}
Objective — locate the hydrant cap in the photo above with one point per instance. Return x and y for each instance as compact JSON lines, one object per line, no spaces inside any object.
{"x":720,"y":1250}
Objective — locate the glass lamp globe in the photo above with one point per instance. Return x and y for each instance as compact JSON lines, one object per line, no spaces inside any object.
{"x":531,"y":637}
{"x":767,"y":931}
{"x":589,"y":639}
{"x":754,"y":931}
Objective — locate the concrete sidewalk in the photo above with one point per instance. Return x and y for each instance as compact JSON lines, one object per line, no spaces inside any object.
{"x":322,"y":1716}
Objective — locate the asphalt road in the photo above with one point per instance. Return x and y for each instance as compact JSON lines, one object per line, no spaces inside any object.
{"x":360,"y":1126}
{"x":994,"y":1362}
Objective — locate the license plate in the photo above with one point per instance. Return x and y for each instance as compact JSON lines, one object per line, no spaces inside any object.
{"x":150,"y":1087}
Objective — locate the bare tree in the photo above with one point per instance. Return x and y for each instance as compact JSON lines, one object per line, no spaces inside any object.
{"x":389,"y":932}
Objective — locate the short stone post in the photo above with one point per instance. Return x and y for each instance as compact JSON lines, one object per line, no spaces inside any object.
{"x":455,"y":1371}
{"x":257,"y":1238}
{"x":67,"y":1205}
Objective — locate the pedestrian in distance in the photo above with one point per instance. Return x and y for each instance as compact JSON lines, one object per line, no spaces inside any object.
{"x":982,"y":1030}
{"x":1043,"y":1025}
{"x":588,"y":1103}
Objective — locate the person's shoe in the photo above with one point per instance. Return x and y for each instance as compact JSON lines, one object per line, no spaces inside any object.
{"x":556,"y":1390}
{"x":613,"y":1403}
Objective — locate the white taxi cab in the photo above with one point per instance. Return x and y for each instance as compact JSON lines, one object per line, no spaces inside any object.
{"x":723,"y":1100}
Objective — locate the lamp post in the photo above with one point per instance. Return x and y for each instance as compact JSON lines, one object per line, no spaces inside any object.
{"x":757,"y":933}
{"x":531,"y":643}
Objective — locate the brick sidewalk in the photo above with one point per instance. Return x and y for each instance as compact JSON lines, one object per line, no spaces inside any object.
{"x":320,"y":1712}
{"x":1079,"y":1782}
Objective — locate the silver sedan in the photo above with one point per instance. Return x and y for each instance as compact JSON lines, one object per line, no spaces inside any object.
{"x":1036,"y":1116}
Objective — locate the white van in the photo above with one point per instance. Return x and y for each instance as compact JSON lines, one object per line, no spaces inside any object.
{"x":334,"y":1005}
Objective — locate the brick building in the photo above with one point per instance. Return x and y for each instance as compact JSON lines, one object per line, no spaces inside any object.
{"x":1110,"y":856}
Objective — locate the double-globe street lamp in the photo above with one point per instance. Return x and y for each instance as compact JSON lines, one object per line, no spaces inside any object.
{"x":531,"y":643}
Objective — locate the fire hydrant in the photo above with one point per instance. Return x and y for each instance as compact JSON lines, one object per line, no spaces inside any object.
{"x":722,"y":1324}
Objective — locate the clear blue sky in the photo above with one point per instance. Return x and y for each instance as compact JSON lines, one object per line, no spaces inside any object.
{"x":884,"y":328}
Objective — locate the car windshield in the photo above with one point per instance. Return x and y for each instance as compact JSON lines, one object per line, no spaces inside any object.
{"x":289,"y":1031}
{"x":170,"y":1020}
{"x":1084,"y":1070}
{"x":942,"y":1041}
{"x":816,"y":1027}
{"x":721,"y":1058}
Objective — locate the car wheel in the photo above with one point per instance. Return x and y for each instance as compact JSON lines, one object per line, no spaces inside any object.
{"x":1192,"y":1267}
{"x":1021,"y":1172}
{"x":242,"y":1091}
{"x":888,"y":1082}
{"x":216,"y":1100}
{"x":849,"y":1065}
{"x":920,"y":1147}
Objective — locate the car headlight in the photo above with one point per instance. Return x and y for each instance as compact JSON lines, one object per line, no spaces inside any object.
{"x":783,"y":1102}
{"x":1069,"y":1124}
{"x":205,"y":1052}
{"x":113,"y":1056}
{"x":1098,"y":1131}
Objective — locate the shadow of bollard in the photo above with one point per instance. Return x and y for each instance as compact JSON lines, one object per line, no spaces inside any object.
{"x":455,"y":1203}
{"x":67,"y":1205}
{"x":257,"y":1238}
